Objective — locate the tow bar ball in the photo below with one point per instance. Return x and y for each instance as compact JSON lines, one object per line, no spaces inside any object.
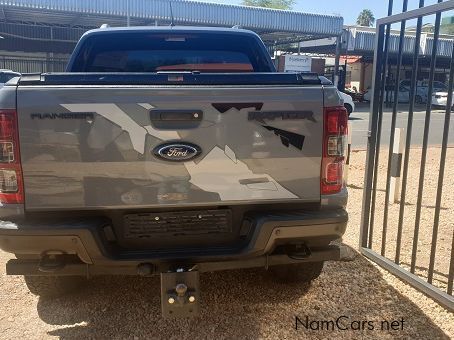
{"x":181,"y":289}
{"x":180,"y":294}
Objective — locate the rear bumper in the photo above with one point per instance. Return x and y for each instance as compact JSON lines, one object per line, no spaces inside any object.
{"x":439,"y":106}
{"x":83,"y":238}
{"x":32,"y":268}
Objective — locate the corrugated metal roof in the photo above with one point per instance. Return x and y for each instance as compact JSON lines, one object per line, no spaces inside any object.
{"x":444,"y":47}
{"x":92,"y":12}
{"x":362,"y":40}
{"x":40,"y":32}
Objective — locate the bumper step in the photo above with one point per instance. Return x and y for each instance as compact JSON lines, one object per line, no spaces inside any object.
{"x":24,"y":267}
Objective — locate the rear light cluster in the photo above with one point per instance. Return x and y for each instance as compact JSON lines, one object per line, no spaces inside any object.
{"x":334,"y":149}
{"x":11,"y":188}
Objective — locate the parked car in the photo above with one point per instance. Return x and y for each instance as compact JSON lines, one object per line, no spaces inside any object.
{"x":421,"y":95}
{"x":368,"y":95}
{"x":158,"y":154}
{"x":438,"y":86}
{"x":421,"y":92}
{"x":348,"y":100}
{"x":422,"y":89}
{"x":6,"y":75}
{"x":440,"y":100}
{"x":403,"y":95}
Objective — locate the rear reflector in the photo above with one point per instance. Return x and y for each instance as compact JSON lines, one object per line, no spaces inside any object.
{"x":334,"y":150}
{"x":11,"y":184}
{"x":333,"y":172}
{"x":336,"y":145}
{"x":8,"y":181}
{"x":6,"y":152}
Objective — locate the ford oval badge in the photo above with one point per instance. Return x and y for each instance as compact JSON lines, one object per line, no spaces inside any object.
{"x":177,"y":151}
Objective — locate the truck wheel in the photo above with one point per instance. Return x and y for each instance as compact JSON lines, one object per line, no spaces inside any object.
{"x":349,"y":108}
{"x":53,"y":286}
{"x":296,"y":273}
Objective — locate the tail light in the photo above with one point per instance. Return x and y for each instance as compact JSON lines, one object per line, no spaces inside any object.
{"x":334,"y":149}
{"x":11,"y":185}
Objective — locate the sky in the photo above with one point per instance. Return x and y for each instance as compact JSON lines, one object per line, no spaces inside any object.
{"x":349,"y":9}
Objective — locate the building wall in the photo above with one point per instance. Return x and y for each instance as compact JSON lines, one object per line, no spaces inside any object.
{"x":318,"y":66}
{"x":368,"y":73}
{"x":354,"y":73}
{"x":360,"y":75}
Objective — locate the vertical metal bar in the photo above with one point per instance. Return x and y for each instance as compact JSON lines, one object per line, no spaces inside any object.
{"x":441,"y":174}
{"x":425,"y":143}
{"x":388,"y":97}
{"x":411,"y":109}
{"x":393,"y":128}
{"x":337,"y":60}
{"x":451,"y":267}
{"x":51,"y":54}
{"x":380,"y":121}
{"x":368,"y":176}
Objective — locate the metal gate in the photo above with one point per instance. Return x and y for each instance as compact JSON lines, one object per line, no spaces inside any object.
{"x":404,"y":235}
{"x":33,"y":65}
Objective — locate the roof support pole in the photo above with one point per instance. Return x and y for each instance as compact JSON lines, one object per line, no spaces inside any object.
{"x":337,"y":60}
{"x":128,"y":14}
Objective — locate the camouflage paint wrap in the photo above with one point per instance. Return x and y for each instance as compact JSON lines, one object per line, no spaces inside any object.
{"x":88,"y":147}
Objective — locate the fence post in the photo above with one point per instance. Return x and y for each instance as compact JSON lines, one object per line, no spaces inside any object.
{"x":349,"y":150}
{"x":396,"y":164}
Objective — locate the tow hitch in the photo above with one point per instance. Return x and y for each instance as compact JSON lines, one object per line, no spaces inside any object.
{"x":180,"y":293}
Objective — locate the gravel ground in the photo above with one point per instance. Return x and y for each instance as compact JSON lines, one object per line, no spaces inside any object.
{"x":446,"y":221}
{"x":245,"y":304}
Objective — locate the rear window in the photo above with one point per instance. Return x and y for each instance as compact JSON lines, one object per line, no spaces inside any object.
{"x":158,"y":51}
{"x":5,"y":77}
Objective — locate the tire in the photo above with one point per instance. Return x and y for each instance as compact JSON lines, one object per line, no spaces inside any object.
{"x":296,"y":273}
{"x":438,"y":107}
{"x":418,"y":100}
{"x":53,"y":286}
{"x":349,"y":108}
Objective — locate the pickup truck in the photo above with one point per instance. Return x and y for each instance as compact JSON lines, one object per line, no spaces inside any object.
{"x":170,"y":151}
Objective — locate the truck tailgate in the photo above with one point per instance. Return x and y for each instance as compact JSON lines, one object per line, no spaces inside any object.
{"x":91,"y":147}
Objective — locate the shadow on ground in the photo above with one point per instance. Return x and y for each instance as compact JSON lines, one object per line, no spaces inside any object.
{"x":240,"y":304}
{"x":355,"y":118}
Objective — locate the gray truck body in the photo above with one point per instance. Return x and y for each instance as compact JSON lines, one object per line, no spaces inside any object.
{"x":213,"y":171}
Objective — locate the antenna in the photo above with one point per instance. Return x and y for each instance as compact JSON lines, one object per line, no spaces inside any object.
{"x":172,"y":22}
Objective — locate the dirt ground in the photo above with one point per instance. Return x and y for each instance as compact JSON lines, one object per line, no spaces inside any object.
{"x":247,"y":304}
{"x":446,"y":221}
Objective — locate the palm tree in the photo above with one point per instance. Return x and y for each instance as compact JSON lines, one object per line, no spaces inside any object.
{"x":366,"y":18}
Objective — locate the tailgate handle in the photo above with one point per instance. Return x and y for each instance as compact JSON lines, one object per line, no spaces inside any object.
{"x":176,"y":119}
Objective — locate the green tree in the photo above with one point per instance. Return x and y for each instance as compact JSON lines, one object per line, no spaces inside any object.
{"x":447,"y":25}
{"x":278,"y":4}
{"x":366,"y":18}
